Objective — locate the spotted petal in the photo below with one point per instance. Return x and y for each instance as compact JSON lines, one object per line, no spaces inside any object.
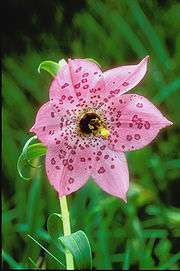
{"x":134,"y":122}
{"x":120,"y":80}
{"x":68,"y":168}
{"x":61,"y":88}
{"x":53,"y":123}
{"x":111,"y":173}
{"x":87,"y":78}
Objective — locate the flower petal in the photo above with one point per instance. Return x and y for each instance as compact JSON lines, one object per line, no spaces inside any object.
{"x":133,"y":122}
{"x":68,"y":168}
{"x":87,"y":79}
{"x":61,"y":88}
{"x":53,"y":123}
{"x":120,"y":80}
{"x":110,"y":172}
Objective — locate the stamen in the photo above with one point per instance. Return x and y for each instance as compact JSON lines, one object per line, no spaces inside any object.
{"x":91,"y":123}
{"x":104,"y":132}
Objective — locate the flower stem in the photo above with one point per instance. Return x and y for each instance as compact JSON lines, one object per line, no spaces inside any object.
{"x":67,"y":230}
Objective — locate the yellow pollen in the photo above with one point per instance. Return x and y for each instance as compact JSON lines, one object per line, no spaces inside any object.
{"x":104,"y":132}
{"x":91,"y":126}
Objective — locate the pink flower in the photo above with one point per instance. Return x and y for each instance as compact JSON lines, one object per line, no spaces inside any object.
{"x":90,"y":122}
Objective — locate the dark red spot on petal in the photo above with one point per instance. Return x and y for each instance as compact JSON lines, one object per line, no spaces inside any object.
{"x":82,"y":159}
{"x":77,"y":85}
{"x":125,"y":84}
{"x":139,"y":105}
{"x":129,"y":137}
{"x":70,"y":167}
{"x":139,"y":125}
{"x":85,"y":74}
{"x":103,"y":147}
{"x":78,"y":70}
{"x":85,"y":87}
{"x":118,"y":124}
{"x":118,"y":114}
{"x":101,"y":170}
{"x":137,"y":136}
{"x":135,"y":118}
{"x":53,"y":161}
{"x":65,"y":162}
{"x":147,"y":125}
{"x":65,"y":85}
{"x":71,"y":180}
{"x":84,"y":80}
{"x":58,"y":142}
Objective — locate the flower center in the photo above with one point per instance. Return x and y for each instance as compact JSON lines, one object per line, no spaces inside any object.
{"x":91,"y":123}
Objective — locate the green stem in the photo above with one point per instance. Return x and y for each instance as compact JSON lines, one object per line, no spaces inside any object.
{"x":67,"y":230}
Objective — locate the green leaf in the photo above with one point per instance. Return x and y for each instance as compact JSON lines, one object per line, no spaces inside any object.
{"x":170,"y":262}
{"x":54,"y":226}
{"x":12,"y":263}
{"x":49,"y":66}
{"x":34,"y":151}
{"x":29,"y":153}
{"x":78,"y":245}
{"x":33,"y":263}
{"x":47,"y":251}
{"x":93,"y":60}
{"x":126,"y":263}
{"x":167,"y":91}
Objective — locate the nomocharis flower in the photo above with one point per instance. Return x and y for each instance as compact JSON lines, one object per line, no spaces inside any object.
{"x":89,"y":122}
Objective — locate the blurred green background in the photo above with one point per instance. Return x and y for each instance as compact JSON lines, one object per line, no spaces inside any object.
{"x":142,"y":234}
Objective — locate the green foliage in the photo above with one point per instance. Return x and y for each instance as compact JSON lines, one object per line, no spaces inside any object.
{"x":54,"y":226}
{"x":77,"y":243}
{"x":79,"y":246}
{"x":29,"y":153}
{"x":49,"y":66}
{"x":47,"y":251}
{"x":142,"y":234}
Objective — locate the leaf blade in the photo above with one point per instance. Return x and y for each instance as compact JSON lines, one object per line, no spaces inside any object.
{"x":78,"y":245}
{"x":29,"y":153}
{"x":49,"y":66}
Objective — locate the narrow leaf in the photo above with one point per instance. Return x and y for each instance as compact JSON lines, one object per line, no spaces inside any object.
{"x":126,"y":263}
{"x":33,"y":263}
{"x":29,"y":153}
{"x":47,"y":251}
{"x":12,"y":263}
